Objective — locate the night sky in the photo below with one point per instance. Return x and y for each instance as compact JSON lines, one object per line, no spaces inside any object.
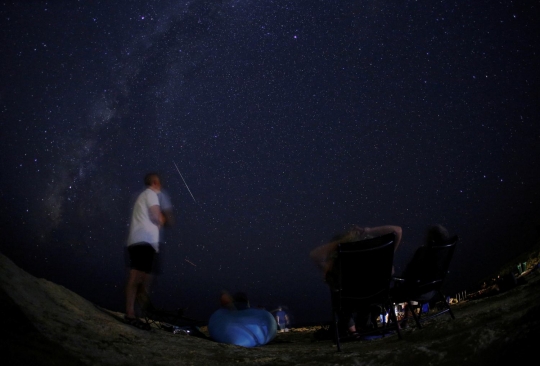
{"x":288,"y":120}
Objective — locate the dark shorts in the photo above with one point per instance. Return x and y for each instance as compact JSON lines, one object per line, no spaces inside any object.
{"x":142,"y":257}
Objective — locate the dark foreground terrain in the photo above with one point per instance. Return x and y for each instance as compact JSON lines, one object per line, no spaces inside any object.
{"x":47,"y":324}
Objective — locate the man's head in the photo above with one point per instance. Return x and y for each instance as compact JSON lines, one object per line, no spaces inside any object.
{"x":152,"y":180}
{"x":436,"y":235}
{"x":241,"y":300}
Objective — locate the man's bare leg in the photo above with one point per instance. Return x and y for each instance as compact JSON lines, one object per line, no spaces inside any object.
{"x":135,"y":281}
{"x":143,"y":297}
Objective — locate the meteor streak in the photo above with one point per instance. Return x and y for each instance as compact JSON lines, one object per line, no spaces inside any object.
{"x":190,"y":263}
{"x":185,"y":184}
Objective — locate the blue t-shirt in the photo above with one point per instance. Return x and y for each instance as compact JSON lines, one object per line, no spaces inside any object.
{"x":281,"y":317}
{"x":246,"y":328}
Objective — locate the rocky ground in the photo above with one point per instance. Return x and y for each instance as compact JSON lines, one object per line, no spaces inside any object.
{"x":46,"y":324}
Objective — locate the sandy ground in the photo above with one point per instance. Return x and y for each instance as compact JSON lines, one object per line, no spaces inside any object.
{"x":46,"y":324}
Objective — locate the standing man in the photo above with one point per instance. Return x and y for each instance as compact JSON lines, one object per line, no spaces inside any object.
{"x":282,"y":320}
{"x":143,"y":243}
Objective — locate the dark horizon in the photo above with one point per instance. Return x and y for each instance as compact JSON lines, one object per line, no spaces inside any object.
{"x":289,"y":122}
{"x":307,"y":316}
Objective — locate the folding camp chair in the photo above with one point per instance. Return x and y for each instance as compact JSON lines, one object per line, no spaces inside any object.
{"x":360,"y":281}
{"x":422,"y":284}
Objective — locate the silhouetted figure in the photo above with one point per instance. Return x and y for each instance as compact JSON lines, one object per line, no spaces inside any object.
{"x":324,"y":257}
{"x":422,"y":264}
{"x":237,"y":323}
{"x":282,"y":320}
{"x":143,"y":244}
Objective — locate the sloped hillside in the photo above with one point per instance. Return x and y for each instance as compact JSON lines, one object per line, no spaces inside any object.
{"x":47,"y":324}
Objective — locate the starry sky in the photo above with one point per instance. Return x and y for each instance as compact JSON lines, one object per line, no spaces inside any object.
{"x":288,"y":120}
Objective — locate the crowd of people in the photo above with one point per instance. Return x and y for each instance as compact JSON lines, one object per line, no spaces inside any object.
{"x":355,"y":323}
{"x":152,"y":212}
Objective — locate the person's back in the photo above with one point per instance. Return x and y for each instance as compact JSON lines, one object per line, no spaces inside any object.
{"x":425,"y":264}
{"x":325,"y":255}
{"x":419,"y":267}
{"x":282,"y":319}
{"x":237,"y":323}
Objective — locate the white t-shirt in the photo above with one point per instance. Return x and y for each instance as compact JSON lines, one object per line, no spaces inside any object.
{"x":142,"y":229}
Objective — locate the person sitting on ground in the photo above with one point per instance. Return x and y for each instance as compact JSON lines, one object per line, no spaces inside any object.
{"x":325,"y":255}
{"x":237,"y":323}
{"x":239,"y":301}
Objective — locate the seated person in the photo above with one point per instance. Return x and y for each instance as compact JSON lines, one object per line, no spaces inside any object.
{"x":325,"y":255}
{"x":237,"y":323}
{"x":422,"y":264}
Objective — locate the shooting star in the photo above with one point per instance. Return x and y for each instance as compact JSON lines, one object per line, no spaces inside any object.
{"x":185,"y":184}
{"x":190,"y":263}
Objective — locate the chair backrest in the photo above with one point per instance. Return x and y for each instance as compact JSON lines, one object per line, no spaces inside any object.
{"x":428,"y":271}
{"x":362,"y":272}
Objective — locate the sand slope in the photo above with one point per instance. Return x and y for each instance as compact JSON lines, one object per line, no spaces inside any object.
{"x":47,"y":324}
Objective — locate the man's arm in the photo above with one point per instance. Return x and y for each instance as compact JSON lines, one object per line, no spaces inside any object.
{"x":383,"y":230}
{"x":166,"y":208}
{"x":321,"y":254}
{"x":169,"y":218}
{"x":156,"y":216}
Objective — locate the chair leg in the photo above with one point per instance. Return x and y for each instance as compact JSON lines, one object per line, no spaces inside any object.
{"x":393,"y":316}
{"x":336,"y":331}
{"x":447,"y":305}
{"x":416,"y":318}
{"x":420,"y":306}
{"x":450,"y":311}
